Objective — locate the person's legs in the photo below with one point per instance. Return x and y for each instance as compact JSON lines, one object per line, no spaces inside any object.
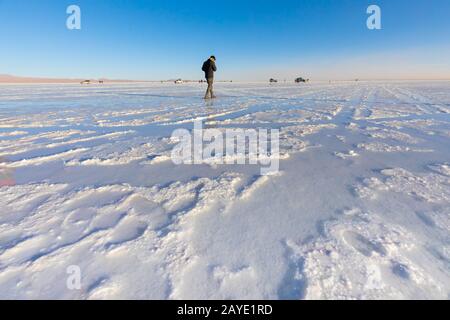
{"x":212,"y":88}
{"x":209,"y":89}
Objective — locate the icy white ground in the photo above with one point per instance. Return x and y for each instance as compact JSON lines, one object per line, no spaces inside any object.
{"x":359,"y":210}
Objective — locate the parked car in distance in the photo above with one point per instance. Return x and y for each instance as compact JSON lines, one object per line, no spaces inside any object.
{"x":300,"y":80}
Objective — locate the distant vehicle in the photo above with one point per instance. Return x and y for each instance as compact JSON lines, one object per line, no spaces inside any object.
{"x":101,"y":81}
{"x":273,"y":80}
{"x":86,"y":82}
{"x":178,"y":81}
{"x":301,"y":80}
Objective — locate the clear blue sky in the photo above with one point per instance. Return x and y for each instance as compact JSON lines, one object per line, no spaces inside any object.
{"x":252,"y":39}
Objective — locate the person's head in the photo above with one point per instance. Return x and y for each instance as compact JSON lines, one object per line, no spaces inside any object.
{"x":213,"y":58}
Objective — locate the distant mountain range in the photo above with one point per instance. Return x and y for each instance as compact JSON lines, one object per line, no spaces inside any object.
{"x":6,"y":78}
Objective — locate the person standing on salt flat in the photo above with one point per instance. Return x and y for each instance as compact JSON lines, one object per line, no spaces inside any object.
{"x":209,"y":67}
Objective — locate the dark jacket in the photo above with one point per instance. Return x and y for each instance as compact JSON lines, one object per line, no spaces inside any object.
{"x":209,"y":67}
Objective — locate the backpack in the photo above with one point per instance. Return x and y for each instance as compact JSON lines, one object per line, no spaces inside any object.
{"x":205,"y":66}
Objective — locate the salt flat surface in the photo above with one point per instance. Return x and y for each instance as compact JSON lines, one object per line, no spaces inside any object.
{"x":359,"y":210}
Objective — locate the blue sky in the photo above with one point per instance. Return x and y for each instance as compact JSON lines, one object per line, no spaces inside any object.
{"x":252,"y":39}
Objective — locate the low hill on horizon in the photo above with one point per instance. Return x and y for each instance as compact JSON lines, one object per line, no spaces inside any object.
{"x":6,"y":78}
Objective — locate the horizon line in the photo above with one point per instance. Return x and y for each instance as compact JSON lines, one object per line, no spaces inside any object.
{"x":13,"y":79}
